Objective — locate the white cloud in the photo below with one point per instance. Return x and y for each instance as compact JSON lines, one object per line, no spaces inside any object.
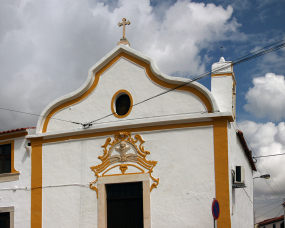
{"x":47,"y":47}
{"x":267,"y":139}
{"x":267,"y":97}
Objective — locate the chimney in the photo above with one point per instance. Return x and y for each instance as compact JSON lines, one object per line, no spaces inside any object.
{"x":223,"y":85}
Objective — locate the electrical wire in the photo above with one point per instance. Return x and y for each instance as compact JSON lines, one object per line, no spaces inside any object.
{"x":269,"y":155}
{"x":268,"y":211}
{"x":42,"y":187}
{"x":247,"y":195}
{"x":240,"y":60}
{"x":279,"y":212}
{"x":263,"y":167}
{"x":237,"y":61}
{"x":34,"y":114}
{"x":267,"y":205}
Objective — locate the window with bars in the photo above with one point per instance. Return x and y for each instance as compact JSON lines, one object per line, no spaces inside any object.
{"x":5,"y":158}
{"x":125,"y":205}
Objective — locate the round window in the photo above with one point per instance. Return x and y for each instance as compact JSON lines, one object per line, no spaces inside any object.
{"x":122,"y":103}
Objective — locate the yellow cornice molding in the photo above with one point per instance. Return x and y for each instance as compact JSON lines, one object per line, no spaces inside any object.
{"x":151,"y":75}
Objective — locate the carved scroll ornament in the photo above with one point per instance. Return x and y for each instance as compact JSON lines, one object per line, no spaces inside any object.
{"x":124,"y":149}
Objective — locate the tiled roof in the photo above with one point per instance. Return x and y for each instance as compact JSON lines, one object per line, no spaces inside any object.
{"x":268,"y":221}
{"x":15,"y":130}
{"x":246,"y":150}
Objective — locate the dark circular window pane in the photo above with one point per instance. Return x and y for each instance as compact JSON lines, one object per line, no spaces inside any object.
{"x":123,"y":104}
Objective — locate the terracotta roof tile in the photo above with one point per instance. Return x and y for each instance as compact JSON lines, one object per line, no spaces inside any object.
{"x":268,"y":221}
{"x":15,"y":130}
{"x":246,"y":150}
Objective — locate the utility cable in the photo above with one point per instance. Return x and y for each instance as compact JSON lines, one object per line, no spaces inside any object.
{"x":240,"y":60}
{"x":279,"y":212}
{"x":265,"y":156}
{"x":268,"y":205}
{"x":269,"y":211}
{"x":263,"y":166}
{"x":42,"y":187}
{"x":247,"y":195}
{"x":34,"y":114}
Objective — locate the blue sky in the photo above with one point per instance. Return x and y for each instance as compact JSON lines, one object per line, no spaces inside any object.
{"x":47,"y":47}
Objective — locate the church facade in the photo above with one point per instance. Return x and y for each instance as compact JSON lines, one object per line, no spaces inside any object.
{"x":128,"y":150}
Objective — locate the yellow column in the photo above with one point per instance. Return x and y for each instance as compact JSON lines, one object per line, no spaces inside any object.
{"x":221,"y":171}
{"x":36,"y":183}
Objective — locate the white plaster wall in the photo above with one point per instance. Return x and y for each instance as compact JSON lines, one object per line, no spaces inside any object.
{"x":20,"y":199}
{"x":222,"y":90}
{"x":185,"y":168}
{"x":133,"y":78}
{"x":241,"y":205}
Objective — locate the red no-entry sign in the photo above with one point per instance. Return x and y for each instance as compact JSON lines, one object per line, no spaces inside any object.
{"x":215,"y":209}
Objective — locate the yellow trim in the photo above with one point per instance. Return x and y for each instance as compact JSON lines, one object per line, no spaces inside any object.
{"x":114,"y":100}
{"x":221,"y":156}
{"x":139,"y":129}
{"x":221,"y":171}
{"x":149,"y":72}
{"x":36,"y":183}
{"x":13,"y":135}
{"x":227,"y":74}
{"x":140,"y":155}
{"x":13,"y":170}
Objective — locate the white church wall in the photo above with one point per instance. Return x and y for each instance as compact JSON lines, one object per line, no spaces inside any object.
{"x":182,"y":199}
{"x":20,"y":199}
{"x":126,"y":75}
{"x":241,"y":204}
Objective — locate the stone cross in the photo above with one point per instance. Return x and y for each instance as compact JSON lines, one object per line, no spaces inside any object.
{"x":124,"y":23}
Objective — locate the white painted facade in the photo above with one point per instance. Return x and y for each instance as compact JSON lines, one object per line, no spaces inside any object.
{"x":178,"y":130}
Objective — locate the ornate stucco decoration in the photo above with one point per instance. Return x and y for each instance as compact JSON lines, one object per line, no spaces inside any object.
{"x":123,"y":152}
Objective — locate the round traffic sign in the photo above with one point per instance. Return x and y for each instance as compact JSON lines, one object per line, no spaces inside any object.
{"x":215,"y":209}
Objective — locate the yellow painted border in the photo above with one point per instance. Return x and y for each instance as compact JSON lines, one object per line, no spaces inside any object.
{"x":13,"y":170}
{"x":220,"y":155}
{"x":36,"y":183}
{"x":150,"y":74}
{"x":13,"y":135}
{"x":122,"y":91}
{"x":221,"y":170}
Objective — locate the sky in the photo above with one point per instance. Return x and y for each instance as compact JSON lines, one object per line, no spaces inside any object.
{"x":47,"y":47}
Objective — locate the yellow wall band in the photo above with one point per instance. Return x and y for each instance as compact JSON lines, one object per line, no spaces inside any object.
{"x":36,"y":183}
{"x":149,"y":72}
{"x":221,"y":171}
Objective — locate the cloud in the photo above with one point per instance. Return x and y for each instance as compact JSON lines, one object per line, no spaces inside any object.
{"x":266,"y":97}
{"x":267,"y":139}
{"x":47,"y":47}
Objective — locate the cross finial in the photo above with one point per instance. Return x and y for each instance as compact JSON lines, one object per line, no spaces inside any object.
{"x":124,"y":40}
{"x":124,"y":26}
{"x":222,"y":51}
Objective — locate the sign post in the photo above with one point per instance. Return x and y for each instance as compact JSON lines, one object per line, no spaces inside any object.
{"x":215,"y":210}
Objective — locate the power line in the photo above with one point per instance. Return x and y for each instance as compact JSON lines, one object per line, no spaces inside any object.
{"x":269,"y":211}
{"x":240,"y":60}
{"x":32,"y":114}
{"x":263,"y":167}
{"x":267,"y":205}
{"x":279,"y":212}
{"x":269,"y":155}
{"x":247,"y":195}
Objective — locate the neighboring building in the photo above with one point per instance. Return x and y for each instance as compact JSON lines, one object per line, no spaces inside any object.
{"x":277,"y":222}
{"x":157,"y":163}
